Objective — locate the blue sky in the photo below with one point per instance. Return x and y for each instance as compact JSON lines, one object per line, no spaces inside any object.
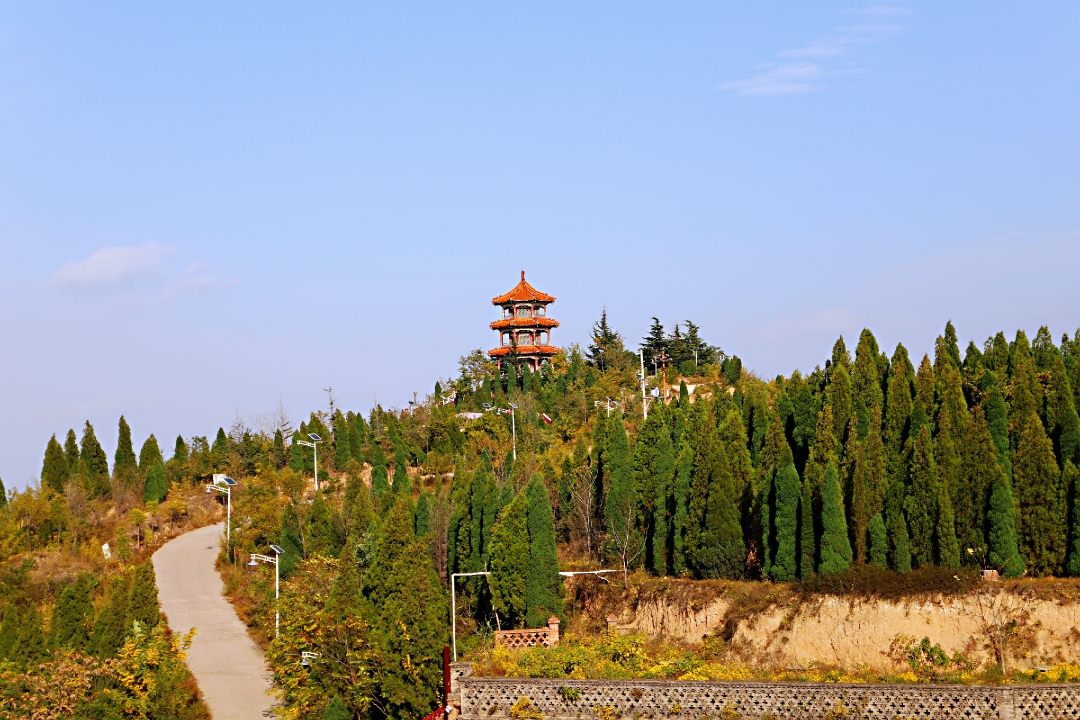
{"x":208,"y":209}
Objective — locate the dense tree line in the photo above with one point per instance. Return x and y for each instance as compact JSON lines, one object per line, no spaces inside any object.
{"x":967,"y":459}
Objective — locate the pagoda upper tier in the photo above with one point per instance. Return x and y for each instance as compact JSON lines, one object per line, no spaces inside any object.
{"x":524,"y":328}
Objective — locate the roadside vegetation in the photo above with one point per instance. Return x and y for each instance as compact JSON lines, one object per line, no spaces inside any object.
{"x":864,"y":468}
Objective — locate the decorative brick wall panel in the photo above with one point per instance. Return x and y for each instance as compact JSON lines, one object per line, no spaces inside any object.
{"x":491,"y":699}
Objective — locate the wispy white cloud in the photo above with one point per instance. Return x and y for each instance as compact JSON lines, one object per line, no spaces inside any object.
{"x":109,"y":267}
{"x":833,"y":55}
{"x":137,"y":274}
{"x":787,"y":79}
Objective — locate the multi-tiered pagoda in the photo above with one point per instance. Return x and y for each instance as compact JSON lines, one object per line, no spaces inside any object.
{"x":524,"y":328}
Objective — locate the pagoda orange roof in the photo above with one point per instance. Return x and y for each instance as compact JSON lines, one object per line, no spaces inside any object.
{"x":542,"y":322}
{"x":525,"y":350}
{"x":523,"y":292}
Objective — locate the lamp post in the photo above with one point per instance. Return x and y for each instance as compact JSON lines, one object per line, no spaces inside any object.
{"x":306,"y":658}
{"x":229,"y":484}
{"x":314,"y":444}
{"x":278,"y":552}
{"x":513,"y":419}
{"x":453,"y":604}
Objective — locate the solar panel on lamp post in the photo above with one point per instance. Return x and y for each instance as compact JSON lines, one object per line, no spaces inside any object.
{"x":315,"y":440}
{"x":278,"y":552}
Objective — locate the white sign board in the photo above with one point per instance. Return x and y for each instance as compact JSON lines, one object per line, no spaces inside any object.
{"x":106,"y":552}
{"x":219,"y":478}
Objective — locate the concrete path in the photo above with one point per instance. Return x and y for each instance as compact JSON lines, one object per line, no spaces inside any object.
{"x":227,"y":664}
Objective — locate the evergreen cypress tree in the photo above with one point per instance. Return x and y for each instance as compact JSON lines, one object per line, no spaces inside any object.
{"x":838,"y":390}
{"x":784,"y":566}
{"x":1002,"y":542}
{"x":55,"y":470}
{"x":623,"y":497}
{"x":402,"y":589}
{"x":948,"y":551}
{"x":879,"y":542}
{"x":180,"y":450}
{"x":510,"y":561}
{"x":684,"y":394}
{"x":512,"y":382}
{"x":423,"y":514}
{"x":835,"y":548}
{"x":866,"y":382}
{"x":220,"y":449}
{"x":9,"y":631}
{"x":1071,"y":483}
{"x":922,"y":502}
{"x":30,"y":647}
{"x":807,"y":536}
{"x":379,"y":481}
{"x":979,"y":466}
{"x":896,"y":527}
{"x":663,"y":496}
{"x":71,"y":451}
{"x":152,"y":469}
{"x":321,"y":538}
{"x":1024,"y":386}
{"x":3,"y":495}
{"x":143,"y":599}
{"x":402,"y":485}
{"x":97,"y":463}
{"x":543,"y":585}
{"x":924,"y":407}
{"x":110,"y":627}
{"x":296,"y":454}
{"x":124,"y":460}
{"x":73,"y":616}
{"x":683,"y":472}
{"x":356,"y":507}
{"x":342,"y":444}
{"x":1036,"y":478}
{"x":997,"y":422}
{"x":356,"y":436}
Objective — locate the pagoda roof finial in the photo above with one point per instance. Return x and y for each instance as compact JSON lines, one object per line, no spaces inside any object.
{"x":523,"y":292}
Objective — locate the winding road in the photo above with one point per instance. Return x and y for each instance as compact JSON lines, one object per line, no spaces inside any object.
{"x":227,"y":664}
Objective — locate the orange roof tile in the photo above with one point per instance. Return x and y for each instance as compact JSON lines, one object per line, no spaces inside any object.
{"x":523,"y":292}
{"x":542,"y":322}
{"x":525,"y":350}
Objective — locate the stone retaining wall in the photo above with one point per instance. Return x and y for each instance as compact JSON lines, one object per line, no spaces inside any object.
{"x":492,"y":698}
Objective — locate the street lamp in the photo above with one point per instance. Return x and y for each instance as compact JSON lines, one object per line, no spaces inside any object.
{"x":315,"y":440}
{"x":277,"y":579}
{"x":513,"y":420}
{"x":229,"y":483}
{"x":306,"y":658}
{"x":453,"y":604}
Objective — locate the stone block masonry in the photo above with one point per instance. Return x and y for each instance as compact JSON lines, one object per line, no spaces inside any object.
{"x":492,"y":698}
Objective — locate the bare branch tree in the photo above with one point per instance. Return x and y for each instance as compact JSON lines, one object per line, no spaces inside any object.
{"x":1002,"y":615}
{"x":624,"y":536}
{"x":583,"y":512}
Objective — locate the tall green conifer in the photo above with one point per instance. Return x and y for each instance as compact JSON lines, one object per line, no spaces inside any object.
{"x":97,"y":463}
{"x":380,"y":482}
{"x":879,"y":542}
{"x":683,"y":472}
{"x":835,"y":548}
{"x":71,"y":450}
{"x":1003,"y":549}
{"x":1035,"y":479}
{"x":784,"y":567}
{"x":922,"y":502}
{"x":143,"y":599}
{"x":896,"y":527}
{"x":73,"y":616}
{"x":110,"y":628}
{"x":1071,"y":482}
{"x":510,"y":561}
{"x":124,"y":460}
{"x":54,"y":471}
{"x":866,"y":382}
{"x":543,"y":585}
